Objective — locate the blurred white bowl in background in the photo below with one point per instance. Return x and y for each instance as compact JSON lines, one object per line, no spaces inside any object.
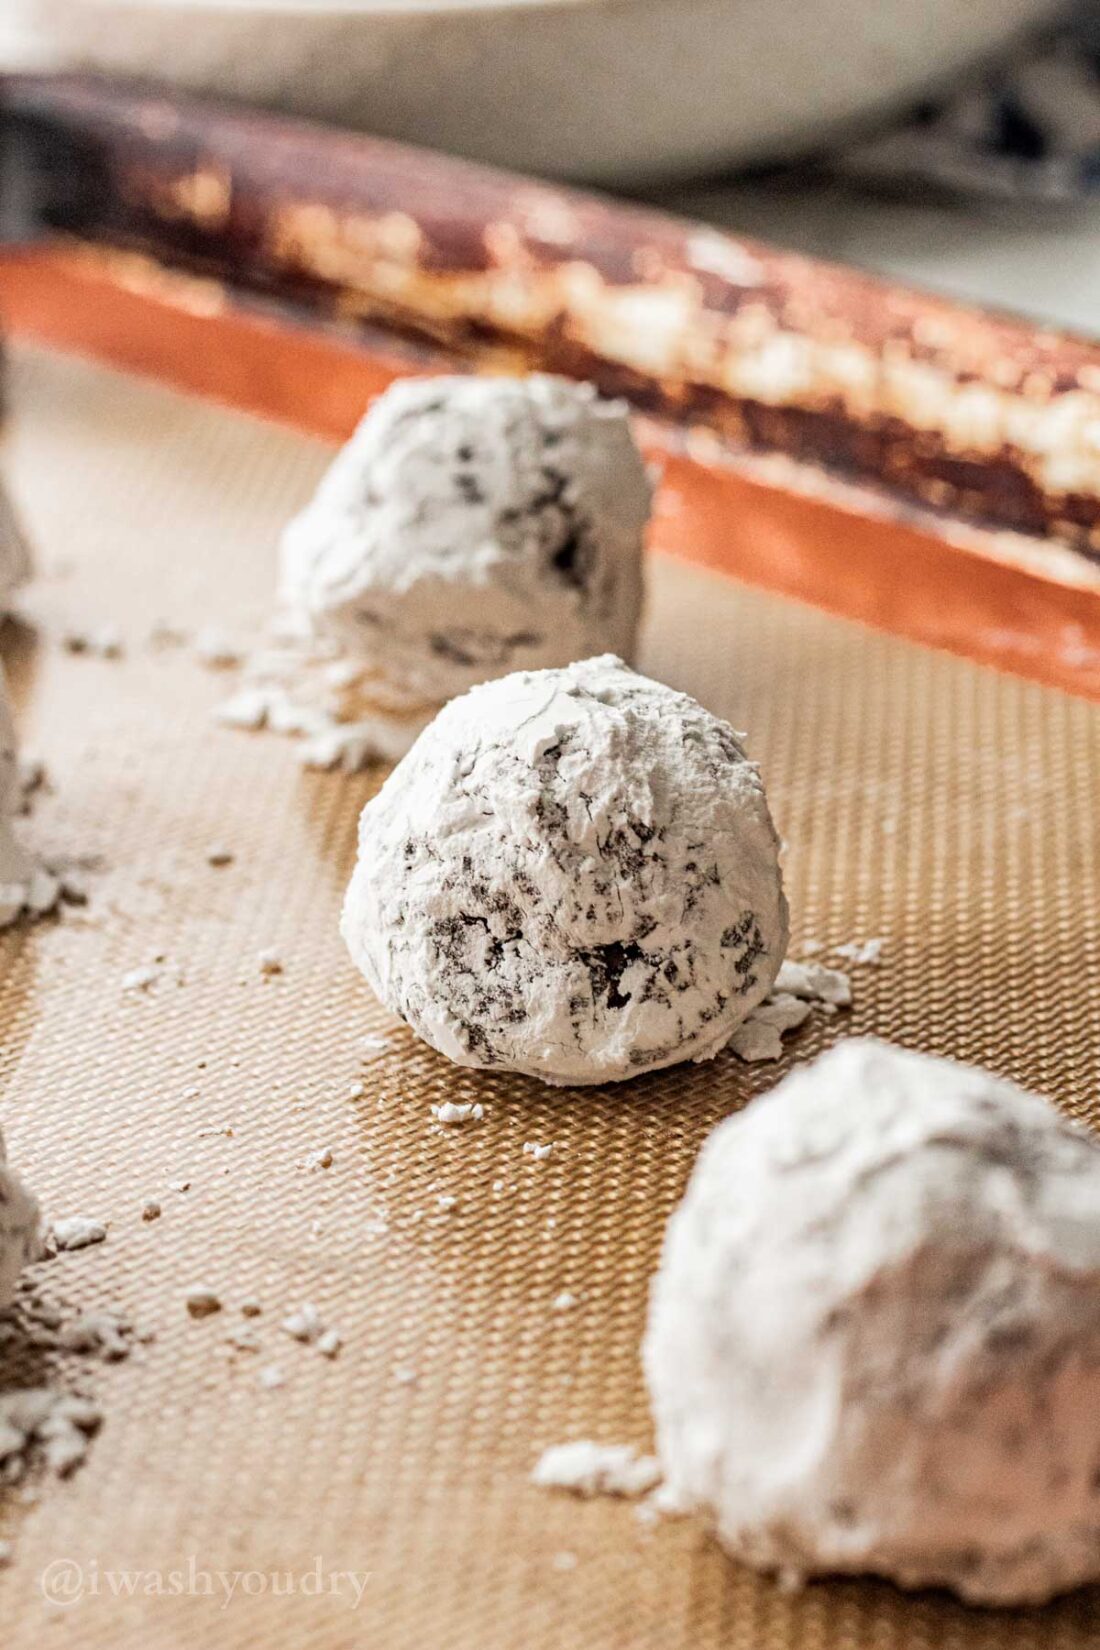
{"x":601,"y":90}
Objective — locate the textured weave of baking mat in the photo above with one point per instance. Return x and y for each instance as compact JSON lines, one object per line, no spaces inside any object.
{"x":947,"y":808}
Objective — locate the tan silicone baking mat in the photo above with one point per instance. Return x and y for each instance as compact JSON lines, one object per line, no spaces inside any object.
{"x":949,"y":809}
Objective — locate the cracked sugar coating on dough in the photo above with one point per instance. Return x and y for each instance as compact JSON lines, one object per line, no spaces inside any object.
{"x":874,"y":1339}
{"x":573,"y":874}
{"x":472,"y":527}
{"x":20,"y":1242}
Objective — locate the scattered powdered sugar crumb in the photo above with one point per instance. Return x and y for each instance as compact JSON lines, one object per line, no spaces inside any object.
{"x":446,"y":1201}
{"x":271,"y":1377}
{"x":50,"y":1325}
{"x":371,"y":1046}
{"x":140,"y":979}
{"x":587,"y":1468}
{"x":38,"y":896}
{"x":105,"y":1334}
{"x":242,"y":1340}
{"x":539,"y":1153}
{"x":404,"y":1374}
{"x":814,"y":983}
{"x":164,"y":635}
{"x":798,"y":989}
{"x":321,"y":1158}
{"x":783,"y":1011}
{"x":304,"y":1324}
{"x":179,"y":1185}
{"x":76,"y":1232}
{"x":270,"y":961}
{"x":866,"y":952}
{"x":564,"y":1302}
{"x":202,"y":1302}
{"x":39,"y":1422}
{"x":302,"y":686}
{"x":329,"y":1343}
{"x":216,"y":649}
{"x":663,"y":1502}
{"x":463,"y":1111}
{"x":246,"y":709}
{"x":753,"y":1041}
{"x":105,"y":642}
{"x":356,"y":745}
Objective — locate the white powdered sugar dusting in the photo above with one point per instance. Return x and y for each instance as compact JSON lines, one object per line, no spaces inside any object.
{"x":586,"y":1468}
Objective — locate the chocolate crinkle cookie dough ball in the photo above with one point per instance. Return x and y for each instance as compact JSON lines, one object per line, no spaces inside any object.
{"x":874,"y":1340}
{"x":472,"y":527}
{"x":572,"y":874}
{"x":20,"y":1241}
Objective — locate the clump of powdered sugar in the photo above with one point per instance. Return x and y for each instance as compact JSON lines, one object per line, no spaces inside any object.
{"x":909,"y":1250}
{"x":41,"y":1422}
{"x":814,"y":983}
{"x":458,"y":1111}
{"x":301,"y":687}
{"x":798,"y":989}
{"x":75,"y":1232}
{"x":50,"y":1423}
{"x":586,"y":1468}
{"x":862,"y":953}
{"x":574,"y":874}
{"x":104,"y":642}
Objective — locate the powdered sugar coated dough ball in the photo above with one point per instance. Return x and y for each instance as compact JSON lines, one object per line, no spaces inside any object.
{"x":17,"y":866}
{"x":874,"y":1340}
{"x":15,"y":558}
{"x":472,"y":527}
{"x":19,"y":1233}
{"x":572,"y":874}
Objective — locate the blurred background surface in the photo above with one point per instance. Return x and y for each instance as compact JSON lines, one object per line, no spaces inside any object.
{"x":952,"y":143}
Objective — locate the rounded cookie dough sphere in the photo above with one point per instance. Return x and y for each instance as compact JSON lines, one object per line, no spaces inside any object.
{"x":473,"y":527}
{"x":19,"y":1229}
{"x":874,"y":1339}
{"x":573,"y":874}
